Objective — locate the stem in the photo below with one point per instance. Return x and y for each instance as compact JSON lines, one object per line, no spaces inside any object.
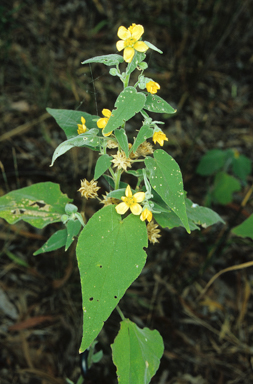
{"x":120,"y":313}
{"x":117,"y":179}
{"x":112,"y":173}
{"x":126,"y":81}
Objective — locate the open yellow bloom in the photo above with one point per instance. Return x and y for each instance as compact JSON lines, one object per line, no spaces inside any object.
{"x":146,"y":215}
{"x":82,"y":127}
{"x":152,"y":86}
{"x":159,"y":137}
{"x":101,"y":123}
{"x":130,"y":201}
{"x":130,"y":41}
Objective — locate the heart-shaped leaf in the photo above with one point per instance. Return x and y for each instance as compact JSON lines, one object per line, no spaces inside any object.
{"x":110,"y":257}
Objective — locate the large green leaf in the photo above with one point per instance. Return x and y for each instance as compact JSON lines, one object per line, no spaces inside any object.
{"x":156,"y":104}
{"x":166,"y":179}
{"x":88,"y":139}
{"x":39,"y":204}
{"x":136,"y":353}
{"x":68,"y":120}
{"x":108,"y":60}
{"x":245,"y":229}
{"x":128,"y":103}
{"x":110,"y":257}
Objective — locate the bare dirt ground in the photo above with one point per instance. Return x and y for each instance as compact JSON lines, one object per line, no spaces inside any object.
{"x":206,"y":73}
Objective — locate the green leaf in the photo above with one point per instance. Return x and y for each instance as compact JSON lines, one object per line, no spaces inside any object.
{"x":73,"y":228}
{"x":39,"y":204}
{"x":110,"y":257}
{"x":103,"y":163}
{"x":136,"y":353}
{"x":144,"y":133}
{"x":197,"y":216}
{"x":166,"y":179}
{"x":128,"y":103}
{"x":241,"y":167}
{"x":122,"y":140}
{"x":138,"y":58}
{"x":56,"y":241}
{"x":108,"y":60}
{"x":201,"y":215}
{"x":118,"y":193}
{"x":245,"y":229}
{"x":110,"y":181}
{"x":151,"y":46}
{"x":156,"y":104}
{"x":18,"y":260}
{"x":88,"y":139}
{"x":68,"y":120}
{"x":137,"y":173}
{"x":224,"y":187}
{"x":211,"y":162}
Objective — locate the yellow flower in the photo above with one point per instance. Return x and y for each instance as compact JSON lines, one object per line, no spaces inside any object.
{"x":152,"y":87}
{"x":130,"y":41}
{"x":121,"y":161}
{"x":153,"y":232}
{"x":81,"y":127}
{"x":130,"y":201}
{"x":101,"y":123}
{"x":159,"y":137}
{"x":88,"y":188}
{"x":146,"y":215}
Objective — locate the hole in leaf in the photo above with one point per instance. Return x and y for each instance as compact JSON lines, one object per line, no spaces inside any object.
{"x":38,"y":204}
{"x":115,"y":297}
{"x":91,"y":298}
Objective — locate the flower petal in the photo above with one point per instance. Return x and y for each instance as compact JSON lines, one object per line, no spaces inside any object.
{"x":128,"y":192}
{"x":137,"y":31}
{"x":140,"y":46}
{"x":123,"y":33}
{"x":128,"y":54}
{"x":120,"y":45}
{"x":139,"y":196}
{"x":159,"y":137}
{"x":83,"y":120}
{"x":136,"y":209}
{"x":121,"y":208}
{"x":106,"y":112}
{"x":101,"y":123}
{"x":106,"y":134}
{"x":146,"y":214}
